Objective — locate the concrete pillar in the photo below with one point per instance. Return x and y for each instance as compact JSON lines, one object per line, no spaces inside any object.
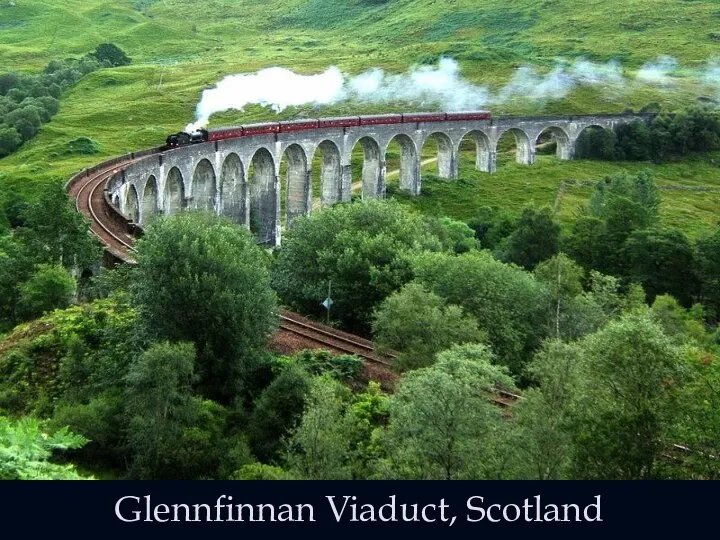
{"x":482,"y":159}
{"x":410,"y":172}
{"x":447,"y":164}
{"x":248,"y":194}
{"x":275,"y":233}
{"x":380,"y":193}
{"x":492,"y":161}
{"x":346,"y":183}
{"x":372,"y":178}
{"x":297,"y":190}
{"x":218,"y":182}
{"x":308,"y":192}
{"x":570,"y":149}
{"x":161,"y":187}
{"x":454,"y":165}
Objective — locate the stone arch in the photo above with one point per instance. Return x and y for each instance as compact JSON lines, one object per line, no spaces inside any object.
{"x":330,"y":172}
{"x":484,"y":155}
{"x":132,"y":205}
{"x":149,"y":207}
{"x":371,"y":179}
{"x":446,"y":157}
{"x":174,"y":196}
{"x":297,"y":183}
{"x":561,"y":138}
{"x":263,"y":202}
{"x":524,"y":147}
{"x":233,"y":189}
{"x":409,"y":163}
{"x":203,"y":187}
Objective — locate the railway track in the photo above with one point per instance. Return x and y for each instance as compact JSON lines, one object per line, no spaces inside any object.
{"x":334,"y":339}
{"x":89,"y":195}
{"x":350,"y":344}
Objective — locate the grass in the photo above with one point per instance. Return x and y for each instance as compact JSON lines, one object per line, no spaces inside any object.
{"x":179,"y":48}
{"x":514,"y":186}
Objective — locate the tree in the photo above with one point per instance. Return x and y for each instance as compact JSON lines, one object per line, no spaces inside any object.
{"x":563,"y":280}
{"x":633,"y":141}
{"x":276,"y":411}
{"x":159,"y":394}
{"x":368,"y":415}
{"x":455,"y":235}
{"x":202,"y":279}
{"x":53,"y":232}
{"x":596,"y":143}
{"x":171,"y":433}
{"x":103,"y":422}
{"x":26,"y":120}
{"x":10,"y":140}
{"x":318,"y":448}
{"x":639,"y":189}
{"x":629,"y":401}
{"x":662,"y":261}
{"x":492,"y":225}
{"x":260,"y":471}
{"x":698,"y":427}
{"x":15,"y":268}
{"x":588,"y":243}
{"x":111,"y":54}
{"x":619,"y":205}
{"x":26,"y":448}
{"x":418,"y":324}
{"x":50,"y":287}
{"x":7,"y":81}
{"x":695,"y":129}
{"x":507,"y":302}
{"x":363,"y":248}
{"x":535,"y":239}
{"x":708,"y":263}
{"x":543,"y":419}
{"x":442,"y":423}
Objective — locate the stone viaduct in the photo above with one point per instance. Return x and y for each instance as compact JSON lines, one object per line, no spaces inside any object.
{"x":241,"y":177}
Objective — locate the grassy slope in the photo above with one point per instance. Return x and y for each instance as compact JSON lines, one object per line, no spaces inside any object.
{"x":181,"y":47}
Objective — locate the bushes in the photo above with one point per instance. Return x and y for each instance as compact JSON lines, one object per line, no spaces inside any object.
{"x":28,"y":101}
{"x":111,"y":55}
{"x":695,"y":129}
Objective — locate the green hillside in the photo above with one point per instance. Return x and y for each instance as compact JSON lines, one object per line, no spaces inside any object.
{"x":178,"y":48}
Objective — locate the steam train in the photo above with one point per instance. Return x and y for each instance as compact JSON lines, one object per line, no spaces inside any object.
{"x":202,"y":135}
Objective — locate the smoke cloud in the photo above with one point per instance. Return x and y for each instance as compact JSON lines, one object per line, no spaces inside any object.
{"x":442,"y":85}
{"x":712,"y":76}
{"x":658,"y":72}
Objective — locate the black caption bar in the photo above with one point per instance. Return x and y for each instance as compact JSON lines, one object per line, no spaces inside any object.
{"x":326,"y":509}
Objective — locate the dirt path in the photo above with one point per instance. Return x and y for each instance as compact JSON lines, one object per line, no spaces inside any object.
{"x":357,"y":186}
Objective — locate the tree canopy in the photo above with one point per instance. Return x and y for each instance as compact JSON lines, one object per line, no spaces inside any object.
{"x":202,"y":279}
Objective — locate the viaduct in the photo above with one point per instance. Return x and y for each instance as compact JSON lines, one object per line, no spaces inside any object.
{"x":241,"y":177}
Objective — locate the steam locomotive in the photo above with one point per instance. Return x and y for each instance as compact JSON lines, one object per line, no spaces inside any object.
{"x":202,"y":135}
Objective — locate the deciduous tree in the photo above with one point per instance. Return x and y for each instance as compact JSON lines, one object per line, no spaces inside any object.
{"x":419,"y":324}
{"x":202,"y":279}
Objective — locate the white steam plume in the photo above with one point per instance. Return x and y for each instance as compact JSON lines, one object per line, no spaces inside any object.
{"x":712,"y":76}
{"x":658,"y":72}
{"x":441,"y":85}
{"x":277,"y":87}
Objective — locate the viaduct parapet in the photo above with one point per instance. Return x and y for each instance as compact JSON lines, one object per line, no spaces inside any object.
{"x":241,"y":177}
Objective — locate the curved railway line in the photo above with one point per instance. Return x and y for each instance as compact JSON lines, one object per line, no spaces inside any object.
{"x":89,"y":195}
